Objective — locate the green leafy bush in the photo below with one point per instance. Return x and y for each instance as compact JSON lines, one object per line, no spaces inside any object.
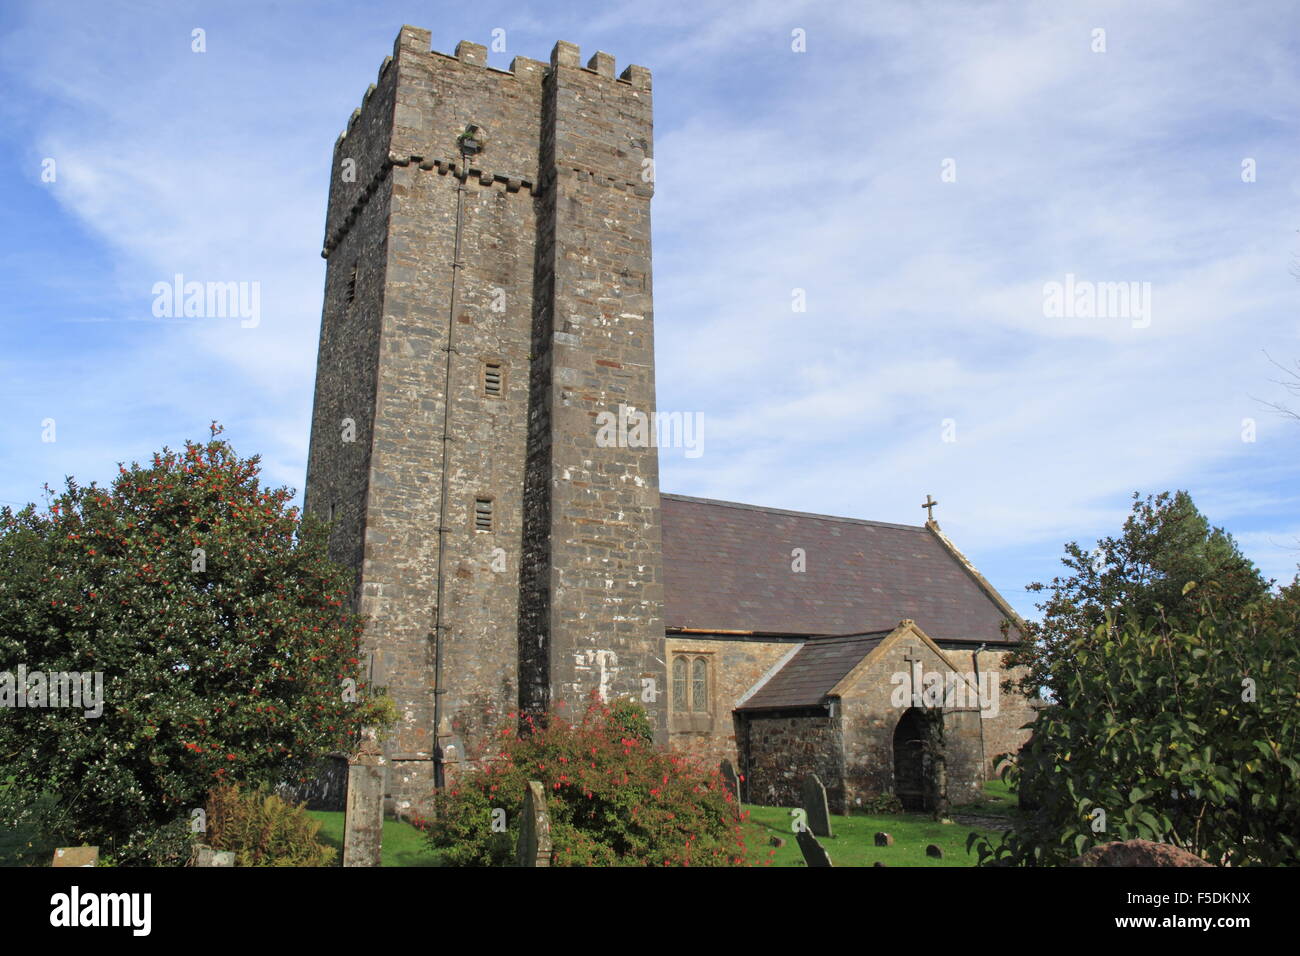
{"x":614,"y":798}
{"x":218,"y":629}
{"x":880,"y":804}
{"x":1186,"y":737}
{"x":263,"y":830}
{"x":1138,"y":575}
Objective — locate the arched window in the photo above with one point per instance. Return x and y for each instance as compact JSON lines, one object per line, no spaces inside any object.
{"x":691,"y":684}
{"x":700,"y":685}
{"x":680,"y":689}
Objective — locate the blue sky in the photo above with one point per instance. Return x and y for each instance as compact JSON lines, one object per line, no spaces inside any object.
{"x":776,"y":170}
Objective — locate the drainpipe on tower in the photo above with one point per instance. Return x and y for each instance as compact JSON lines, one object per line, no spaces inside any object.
{"x":439,"y":775}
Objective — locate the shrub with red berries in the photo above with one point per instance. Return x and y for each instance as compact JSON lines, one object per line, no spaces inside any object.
{"x":614,"y":798}
{"x":217,"y":622}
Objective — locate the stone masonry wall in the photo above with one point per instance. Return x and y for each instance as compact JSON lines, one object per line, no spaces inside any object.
{"x":348,"y":354}
{"x":735,"y":666}
{"x":602,"y":626}
{"x":781,"y":748}
{"x":552,"y":204}
{"x":870,"y":717}
{"x":1004,"y":734}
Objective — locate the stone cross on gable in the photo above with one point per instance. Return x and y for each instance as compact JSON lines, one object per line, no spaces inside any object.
{"x":929,"y":508}
{"x":914,"y":672}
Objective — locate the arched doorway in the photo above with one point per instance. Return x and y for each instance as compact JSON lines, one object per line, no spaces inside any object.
{"x":912,"y":764}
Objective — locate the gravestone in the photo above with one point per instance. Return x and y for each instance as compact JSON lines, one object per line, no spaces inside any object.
{"x":814,"y":802}
{"x":76,"y":856}
{"x":363,"y":820}
{"x":206,"y":856}
{"x":534,"y":847}
{"x":733,"y":782}
{"x":814,"y":854}
{"x":884,"y":839}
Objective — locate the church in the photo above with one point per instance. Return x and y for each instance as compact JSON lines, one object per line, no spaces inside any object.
{"x":488,"y":302}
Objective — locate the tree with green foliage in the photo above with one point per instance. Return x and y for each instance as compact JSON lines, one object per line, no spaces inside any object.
{"x":614,"y":798}
{"x":1176,"y":733}
{"x":1138,"y":576}
{"x":218,"y":627}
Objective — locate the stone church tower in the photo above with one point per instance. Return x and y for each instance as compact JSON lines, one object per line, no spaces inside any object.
{"x":487,"y":296}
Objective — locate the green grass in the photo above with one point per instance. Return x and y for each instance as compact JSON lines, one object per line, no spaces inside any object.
{"x":999,"y":801}
{"x":854,"y":841}
{"x":852,"y":845}
{"x":404,"y":845}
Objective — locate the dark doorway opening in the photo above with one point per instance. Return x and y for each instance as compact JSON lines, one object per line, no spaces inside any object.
{"x":913,"y":766}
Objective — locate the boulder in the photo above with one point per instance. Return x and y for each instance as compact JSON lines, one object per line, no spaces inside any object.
{"x":1137,"y":853}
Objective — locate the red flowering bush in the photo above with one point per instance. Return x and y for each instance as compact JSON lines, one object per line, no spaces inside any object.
{"x":217,"y":626}
{"x":614,"y":799}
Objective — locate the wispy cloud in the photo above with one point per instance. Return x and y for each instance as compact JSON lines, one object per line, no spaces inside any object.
{"x":777,"y":171}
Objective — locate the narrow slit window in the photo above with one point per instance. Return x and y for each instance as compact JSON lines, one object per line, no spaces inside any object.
{"x":493,"y":379}
{"x":483,"y":517}
{"x":350,"y":294}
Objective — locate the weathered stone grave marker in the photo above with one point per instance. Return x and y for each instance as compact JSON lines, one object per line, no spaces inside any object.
{"x":206,"y":856}
{"x":814,"y":854}
{"x":363,"y":820}
{"x":733,"y":782}
{"x":814,"y":803}
{"x":76,"y":856}
{"x":534,"y":847}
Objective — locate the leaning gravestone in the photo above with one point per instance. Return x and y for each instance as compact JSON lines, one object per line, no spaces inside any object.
{"x":76,"y":856}
{"x":814,"y":854}
{"x":733,"y":782}
{"x":814,"y":802}
{"x":534,"y":847}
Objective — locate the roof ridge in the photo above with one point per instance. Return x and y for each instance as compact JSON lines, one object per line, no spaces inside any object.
{"x":793,"y":514}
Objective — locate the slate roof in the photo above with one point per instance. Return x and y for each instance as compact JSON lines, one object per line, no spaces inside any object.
{"x":727,"y":567}
{"x":816,"y":667}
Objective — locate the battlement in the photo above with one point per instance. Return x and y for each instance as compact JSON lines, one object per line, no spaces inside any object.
{"x":416,"y":40}
{"x":416,"y":112}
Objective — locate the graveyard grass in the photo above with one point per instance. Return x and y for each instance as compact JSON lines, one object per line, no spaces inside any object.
{"x":852,"y":845}
{"x":404,"y":845}
{"x":854,"y":841}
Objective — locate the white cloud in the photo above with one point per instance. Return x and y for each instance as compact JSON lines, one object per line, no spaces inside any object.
{"x":775,"y":171}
